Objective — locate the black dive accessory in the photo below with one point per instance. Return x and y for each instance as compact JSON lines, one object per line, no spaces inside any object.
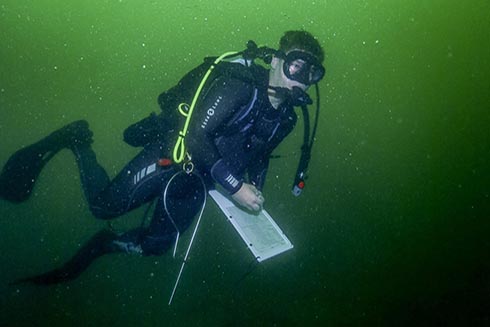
{"x":301,"y":67}
{"x":299,"y":178}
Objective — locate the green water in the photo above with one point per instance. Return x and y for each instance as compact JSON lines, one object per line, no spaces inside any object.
{"x":392,"y":228}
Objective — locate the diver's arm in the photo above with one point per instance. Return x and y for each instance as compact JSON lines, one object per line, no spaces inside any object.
{"x":220,"y":104}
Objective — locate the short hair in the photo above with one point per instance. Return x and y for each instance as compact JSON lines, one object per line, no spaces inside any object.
{"x":302,"y":40}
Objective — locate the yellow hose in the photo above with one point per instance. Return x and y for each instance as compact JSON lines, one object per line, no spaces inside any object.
{"x":179,"y":149}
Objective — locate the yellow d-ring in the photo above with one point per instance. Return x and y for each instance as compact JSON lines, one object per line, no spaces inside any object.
{"x":184,"y":109}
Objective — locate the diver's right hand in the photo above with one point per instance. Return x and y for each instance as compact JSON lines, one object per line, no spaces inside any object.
{"x":250,"y":197}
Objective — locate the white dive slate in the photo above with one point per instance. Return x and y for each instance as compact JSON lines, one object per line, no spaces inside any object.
{"x":259,"y":232}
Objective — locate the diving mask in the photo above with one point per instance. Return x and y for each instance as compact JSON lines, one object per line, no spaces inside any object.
{"x":301,"y":67}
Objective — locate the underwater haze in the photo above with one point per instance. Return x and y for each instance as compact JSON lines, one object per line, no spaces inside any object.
{"x":391,"y":229}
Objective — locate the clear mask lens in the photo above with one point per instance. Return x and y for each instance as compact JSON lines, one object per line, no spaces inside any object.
{"x":302,"y":67}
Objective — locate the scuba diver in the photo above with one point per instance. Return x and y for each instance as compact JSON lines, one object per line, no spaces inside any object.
{"x":237,"y":117}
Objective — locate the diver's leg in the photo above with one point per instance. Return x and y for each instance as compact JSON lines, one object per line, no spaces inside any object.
{"x":152,"y":240}
{"x":138,"y":182}
{"x":24,"y":166}
{"x":155,"y":239}
{"x":181,"y":198}
{"x":177,"y":205}
{"x":93,"y":176}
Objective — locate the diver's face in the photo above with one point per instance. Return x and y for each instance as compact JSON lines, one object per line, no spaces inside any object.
{"x":299,"y":68}
{"x":278,"y":78}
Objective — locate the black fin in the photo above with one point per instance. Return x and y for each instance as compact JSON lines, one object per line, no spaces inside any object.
{"x":21,"y":171}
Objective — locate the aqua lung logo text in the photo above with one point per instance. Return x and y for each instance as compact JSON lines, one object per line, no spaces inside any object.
{"x":210,"y":112}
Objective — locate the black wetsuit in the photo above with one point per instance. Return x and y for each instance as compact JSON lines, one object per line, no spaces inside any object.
{"x":233,"y":131}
